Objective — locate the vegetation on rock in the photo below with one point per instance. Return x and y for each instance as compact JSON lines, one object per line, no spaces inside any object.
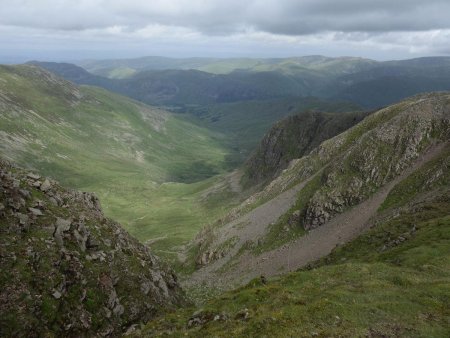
{"x":67,"y":270}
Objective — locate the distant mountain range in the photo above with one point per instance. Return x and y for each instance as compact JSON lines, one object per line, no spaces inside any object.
{"x":178,"y":83}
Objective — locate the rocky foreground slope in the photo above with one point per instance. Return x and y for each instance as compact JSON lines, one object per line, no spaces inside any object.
{"x":66,"y":269}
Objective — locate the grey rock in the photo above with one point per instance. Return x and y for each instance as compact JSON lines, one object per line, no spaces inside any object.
{"x":294,"y":219}
{"x":61,"y":226}
{"x":39,"y":204}
{"x":16,"y":183}
{"x":200,"y":317}
{"x":57,"y":294}
{"x":16,"y":203}
{"x":46,"y":185}
{"x":118,"y":310}
{"x":53,"y":201}
{"x":107,"y":332}
{"x":108,"y":312}
{"x":81,"y":239}
{"x":221,"y":317}
{"x":35,"y":212}
{"x":36,"y":184}
{"x":23,"y":219}
{"x":194,"y":322}
{"x":25,"y":193}
{"x":145,"y":287}
{"x":131,"y":329}
{"x":33,"y":176}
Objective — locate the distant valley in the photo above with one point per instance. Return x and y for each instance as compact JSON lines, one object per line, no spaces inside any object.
{"x":131,"y":155}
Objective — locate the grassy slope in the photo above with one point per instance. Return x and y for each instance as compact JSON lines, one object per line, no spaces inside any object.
{"x":97,"y":141}
{"x":375,"y":286}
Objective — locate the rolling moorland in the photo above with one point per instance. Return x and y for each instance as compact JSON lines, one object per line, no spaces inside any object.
{"x":301,"y":234}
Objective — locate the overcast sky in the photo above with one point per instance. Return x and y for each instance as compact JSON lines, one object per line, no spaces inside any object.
{"x":78,"y":29}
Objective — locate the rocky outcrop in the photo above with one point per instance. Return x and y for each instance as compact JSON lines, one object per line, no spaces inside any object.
{"x":390,"y":141}
{"x":66,"y":269}
{"x":294,"y":137}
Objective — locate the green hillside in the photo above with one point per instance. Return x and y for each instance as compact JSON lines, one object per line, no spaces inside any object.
{"x":351,"y":240}
{"x":122,"y":150}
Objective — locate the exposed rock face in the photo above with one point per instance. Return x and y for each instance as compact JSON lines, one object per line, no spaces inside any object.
{"x":399,"y":135}
{"x":66,"y":269}
{"x":294,"y":137}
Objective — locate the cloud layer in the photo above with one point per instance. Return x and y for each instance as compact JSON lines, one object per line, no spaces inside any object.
{"x":410,"y":26}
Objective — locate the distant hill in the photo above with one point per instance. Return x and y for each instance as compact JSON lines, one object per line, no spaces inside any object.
{"x":178,"y":83}
{"x":111,"y":68}
{"x":108,"y":68}
{"x":181,"y":88}
{"x":73,"y":73}
{"x":94,"y":116}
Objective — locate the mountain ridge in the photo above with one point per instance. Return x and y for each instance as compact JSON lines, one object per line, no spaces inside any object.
{"x":294,"y":137}
{"x":334,"y":179}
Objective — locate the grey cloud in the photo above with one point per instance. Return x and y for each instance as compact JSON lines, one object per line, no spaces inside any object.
{"x":287,"y":17}
{"x":306,"y":17}
{"x":380,"y":29}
